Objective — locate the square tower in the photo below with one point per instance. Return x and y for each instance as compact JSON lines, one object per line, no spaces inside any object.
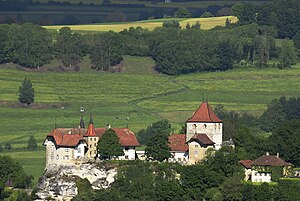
{"x":205,"y":121}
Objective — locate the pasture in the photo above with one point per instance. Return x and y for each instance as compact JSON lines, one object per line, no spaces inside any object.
{"x":206,"y":23}
{"x":137,"y":92}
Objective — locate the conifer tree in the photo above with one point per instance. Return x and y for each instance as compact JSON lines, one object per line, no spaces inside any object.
{"x":32,"y":143}
{"x":26,"y":92}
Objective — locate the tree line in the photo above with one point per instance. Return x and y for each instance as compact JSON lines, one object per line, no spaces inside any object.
{"x":176,"y":51}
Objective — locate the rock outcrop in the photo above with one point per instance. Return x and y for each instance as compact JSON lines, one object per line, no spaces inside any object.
{"x":59,"y":181}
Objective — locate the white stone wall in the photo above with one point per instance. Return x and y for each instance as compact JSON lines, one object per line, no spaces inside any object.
{"x":129,"y":153}
{"x":212,"y":130}
{"x":61,"y":155}
{"x":79,"y":150}
{"x":260,"y":176}
{"x":180,"y":156}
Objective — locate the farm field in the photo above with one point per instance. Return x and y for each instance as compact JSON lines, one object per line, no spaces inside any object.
{"x":137,"y":92}
{"x":206,"y":23}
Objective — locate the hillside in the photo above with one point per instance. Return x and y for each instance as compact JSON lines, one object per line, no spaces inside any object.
{"x":137,"y":92}
{"x":206,"y":23}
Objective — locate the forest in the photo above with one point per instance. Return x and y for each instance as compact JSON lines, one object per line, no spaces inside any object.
{"x":252,"y":42}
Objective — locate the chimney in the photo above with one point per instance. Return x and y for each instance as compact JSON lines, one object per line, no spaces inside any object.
{"x":108,"y":126}
{"x":277,"y":155}
{"x":267,"y":154}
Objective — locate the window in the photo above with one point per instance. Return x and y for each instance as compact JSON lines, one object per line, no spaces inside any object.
{"x":196,"y":146}
{"x":95,"y":144}
{"x":126,"y":156}
{"x":57,"y":157}
{"x":204,"y":125}
{"x":66,"y":150}
{"x":94,"y":139}
{"x":95,"y":152}
{"x":78,"y":149}
{"x":196,"y":152}
{"x":90,"y":153}
{"x":90,"y":146}
{"x":67,"y":157}
{"x":126,"y":148}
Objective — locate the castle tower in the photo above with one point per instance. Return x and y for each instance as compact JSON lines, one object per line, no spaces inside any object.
{"x":91,"y":139}
{"x":205,"y":121}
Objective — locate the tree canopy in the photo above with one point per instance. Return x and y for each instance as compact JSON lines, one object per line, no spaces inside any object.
{"x":109,"y":146}
{"x":26,"y":92}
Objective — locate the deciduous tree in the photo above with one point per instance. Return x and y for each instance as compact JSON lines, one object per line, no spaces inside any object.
{"x":109,"y":146}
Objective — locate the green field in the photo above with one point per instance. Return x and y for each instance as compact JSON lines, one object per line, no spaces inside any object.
{"x":206,"y":23}
{"x":138,"y":92}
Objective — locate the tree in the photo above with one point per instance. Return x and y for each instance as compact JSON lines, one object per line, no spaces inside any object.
{"x":285,"y":141}
{"x":32,"y":143}
{"x":183,"y":13}
{"x":287,"y":55}
{"x":273,"y":116}
{"x":106,"y":51}
{"x":206,"y":14}
{"x":171,"y":24}
{"x":10,"y":169}
{"x":29,"y":45}
{"x":157,"y":128}
{"x":109,"y":146}
{"x":69,"y":47}
{"x":158,"y":148}
{"x":26,"y":92}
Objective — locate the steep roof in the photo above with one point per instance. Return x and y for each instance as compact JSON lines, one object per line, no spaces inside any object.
{"x":205,"y":114}
{"x":177,"y":142}
{"x":91,"y":129}
{"x":66,"y":137}
{"x":202,"y":138}
{"x":71,"y":136}
{"x":269,"y":160}
{"x":126,"y":136}
{"x":246,"y":163}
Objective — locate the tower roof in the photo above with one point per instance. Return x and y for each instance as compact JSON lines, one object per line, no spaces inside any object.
{"x":205,"y":114}
{"x":81,"y":124}
{"x":91,"y":129}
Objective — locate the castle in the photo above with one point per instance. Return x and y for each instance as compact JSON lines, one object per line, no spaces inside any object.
{"x":203,"y":131}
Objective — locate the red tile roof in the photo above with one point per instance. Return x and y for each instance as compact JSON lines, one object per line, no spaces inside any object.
{"x":90,"y":131}
{"x":269,"y":160}
{"x":126,"y":136}
{"x":66,"y":137}
{"x":177,"y":142}
{"x":246,"y":163}
{"x":205,"y":114}
{"x":202,"y":138}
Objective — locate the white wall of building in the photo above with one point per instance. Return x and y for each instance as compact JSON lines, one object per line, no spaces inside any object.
{"x":180,"y":156}
{"x":129,"y":153}
{"x":212,"y":130}
{"x":260,"y":176}
{"x":79,"y":150}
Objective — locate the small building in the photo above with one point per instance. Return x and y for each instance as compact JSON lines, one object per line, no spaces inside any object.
{"x":247,"y":167}
{"x":262,"y":168}
{"x":179,"y":148}
{"x":198,"y":146}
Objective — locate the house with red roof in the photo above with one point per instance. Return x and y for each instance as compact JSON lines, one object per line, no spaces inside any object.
{"x":260,"y":170}
{"x":66,"y":145}
{"x":203,"y":131}
{"x":179,"y":148}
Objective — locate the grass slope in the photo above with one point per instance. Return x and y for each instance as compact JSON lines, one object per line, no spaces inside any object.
{"x":206,"y":23}
{"x":137,"y":92}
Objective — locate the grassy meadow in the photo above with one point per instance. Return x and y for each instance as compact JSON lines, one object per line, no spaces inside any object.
{"x":206,"y":23}
{"x":137,"y":92}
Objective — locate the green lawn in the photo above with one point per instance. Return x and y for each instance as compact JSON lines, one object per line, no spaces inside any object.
{"x":137,"y":92}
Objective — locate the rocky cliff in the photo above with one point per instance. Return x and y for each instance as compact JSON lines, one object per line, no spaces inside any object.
{"x":59,"y":182}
